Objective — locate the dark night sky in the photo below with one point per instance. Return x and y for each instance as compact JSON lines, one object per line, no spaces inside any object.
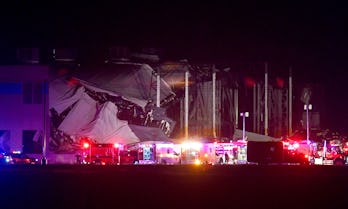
{"x":310,"y":37}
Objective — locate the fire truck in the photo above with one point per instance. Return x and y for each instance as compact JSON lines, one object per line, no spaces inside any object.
{"x":137,"y":153}
{"x":99,"y":154}
{"x":113,"y":154}
{"x":330,"y":152}
{"x":297,"y":152}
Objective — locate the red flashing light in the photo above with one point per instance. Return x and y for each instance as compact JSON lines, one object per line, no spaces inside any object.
{"x":116,"y":145}
{"x":280,"y":82}
{"x":85,"y":145}
{"x":62,"y":71}
{"x":306,"y":156}
{"x":249,"y":82}
{"x":73,"y":82}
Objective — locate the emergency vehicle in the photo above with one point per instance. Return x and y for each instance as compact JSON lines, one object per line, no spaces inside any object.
{"x":137,"y":153}
{"x":168,"y":153}
{"x":298,"y":152}
{"x":99,"y":154}
{"x":330,"y":152}
{"x":214,"y":152}
{"x":155,"y":152}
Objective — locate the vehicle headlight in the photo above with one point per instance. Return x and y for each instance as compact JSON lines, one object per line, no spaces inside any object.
{"x":7,"y":159}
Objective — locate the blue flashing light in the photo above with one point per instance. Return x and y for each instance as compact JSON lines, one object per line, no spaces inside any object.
{"x":10,"y":88}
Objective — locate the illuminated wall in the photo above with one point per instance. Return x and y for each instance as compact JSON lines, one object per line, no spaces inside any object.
{"x":22,"y":104}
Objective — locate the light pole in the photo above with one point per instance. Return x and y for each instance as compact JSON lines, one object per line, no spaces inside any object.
{"x":44,"y":146}
{"x":307,"y":107}
{"x":244,"y":115}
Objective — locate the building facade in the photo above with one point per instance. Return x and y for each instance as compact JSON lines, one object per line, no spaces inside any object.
{"x":23,"y":107}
